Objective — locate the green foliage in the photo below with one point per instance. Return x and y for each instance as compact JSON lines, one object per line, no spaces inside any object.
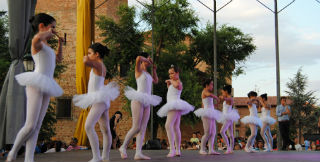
{"x":4,"y":50}
{"x":173,"y":21}
{"x":233,"y":48}
{"x":123,"y":38}
{"x":304,"y":113}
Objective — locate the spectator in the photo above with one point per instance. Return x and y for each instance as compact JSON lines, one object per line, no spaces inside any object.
{"x":306,"y":144}
{"x":199,"y":136}
{"x":313,"y":146}
{"x":164,"y":144}
{"x":113,"y":125}
{"x":194,"y":138}
{"x":283,"y":112}
{"x":73,"y":144}
{"x":57,"y":147}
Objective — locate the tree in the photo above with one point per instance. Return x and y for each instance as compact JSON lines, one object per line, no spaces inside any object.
{"x":4,"y":51}
{"x":174,"y":19}
{"x":233,"y":48}
{"x":304,"y":113}
{"x":124,"y":40}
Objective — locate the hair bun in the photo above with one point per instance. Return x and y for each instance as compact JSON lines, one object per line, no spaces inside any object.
{"x":31,"y":19}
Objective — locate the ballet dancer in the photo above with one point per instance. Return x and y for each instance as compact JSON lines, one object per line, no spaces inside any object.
{"x":252,"y":120}
{"x":267,"y":120}
{"x":98,"y":97}
{"x":209,"y":117}
{"x":229,"y":116}
{"x":40,"y":85}
{"x":140,"y":104}
{"x":173,"y":109}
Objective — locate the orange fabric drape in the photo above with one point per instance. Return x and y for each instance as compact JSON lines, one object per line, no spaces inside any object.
{"x":84,"y":36}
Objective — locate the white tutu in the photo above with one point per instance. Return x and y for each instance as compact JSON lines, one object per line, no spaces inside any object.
{"x":233,"y":115}
{"x":44,"y":83}
{"x":208,"y":113}
{"x":268,"y":119}
{"x":178,"y":105}
{"x":251,"y":120}
{"x":143,"y":98}
{"x":104,"y":95}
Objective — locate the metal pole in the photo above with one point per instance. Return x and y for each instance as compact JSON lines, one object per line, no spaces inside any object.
{"x":152,"y":55}
{"x":279,"y":139}
{"x":277,"y":50}
{"x":215,"y":90}
{"x":276,"y":12}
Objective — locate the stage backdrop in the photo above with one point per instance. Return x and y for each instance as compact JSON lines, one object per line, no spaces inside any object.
{"x":12,"y":98}
{"x":84,"y":39}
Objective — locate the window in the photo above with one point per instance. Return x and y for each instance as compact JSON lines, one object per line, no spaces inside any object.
{"x":64,"y":108}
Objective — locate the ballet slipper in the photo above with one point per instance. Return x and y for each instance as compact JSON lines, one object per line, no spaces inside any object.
{"x":178,"y":153}
{"x":123,"y":153}
{"x":140,"y":156}
{"x":213,"y":153}
{"x":171,"y":154}
{"x":246,"y":149}
{"x":201,"y":152}
{"x":227,"y":152}
{"x":11,"y":157}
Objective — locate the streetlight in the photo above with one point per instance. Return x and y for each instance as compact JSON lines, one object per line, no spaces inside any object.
{"x":28,"y":62}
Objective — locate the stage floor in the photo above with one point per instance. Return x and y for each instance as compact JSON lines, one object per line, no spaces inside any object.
{"x":187,"y":156}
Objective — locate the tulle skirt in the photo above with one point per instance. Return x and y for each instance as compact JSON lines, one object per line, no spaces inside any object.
{"x":233,"y":116}
{"x":251,"y":120}
{"x":268,"y":119}
{"x":208,"y":113}
{"x":104,"y":95}
{"x":44,"y":83}
{"x":178,"y":105}
{"x":143,"y":98}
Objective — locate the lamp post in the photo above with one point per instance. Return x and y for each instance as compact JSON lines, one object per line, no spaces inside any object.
{"x":28,"y":62}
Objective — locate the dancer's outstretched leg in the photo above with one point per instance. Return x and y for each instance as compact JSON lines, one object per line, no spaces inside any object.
{"x":34,"y":105}
{"x":269,"y":137}
{"x":223,"y":130}
{"x":171,"y":119}
{"x":212,"y":138}
{"x":251,"y":138}
{"x":264,"y":136}
{"x":94,"y":115}
{"x":140,"y":136}
{"x":206,"y":135}
{"x":177,"y":133}
{"x":230,"y":132}
{"x":106,"y":133}
{"x":137,"y":114}
{"x":32,"y":141}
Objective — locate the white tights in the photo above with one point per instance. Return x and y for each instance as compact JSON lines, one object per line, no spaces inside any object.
{"x":209,"y":126}
{"x":173,"y":131}
{"x":227,"y":126}
{"x":37,"y":105}
{"x":266,"y":135}
{"x":252,"y":136}
{"x":99,"y":112}
{"x":140,"y":118}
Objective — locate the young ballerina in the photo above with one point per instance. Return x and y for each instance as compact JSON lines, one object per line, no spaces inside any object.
{"x":267,"y":120}
{"x":140,"y":105}
{"x":209,"y":117}
{"x":173,"y":109}
{"x":40,"y":85}
{"x":252,"y":120}
{"x":98,"y":97}
{"x":229,"y":115}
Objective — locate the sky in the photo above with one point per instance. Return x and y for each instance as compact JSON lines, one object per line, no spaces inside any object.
{"x":299,"y":39}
